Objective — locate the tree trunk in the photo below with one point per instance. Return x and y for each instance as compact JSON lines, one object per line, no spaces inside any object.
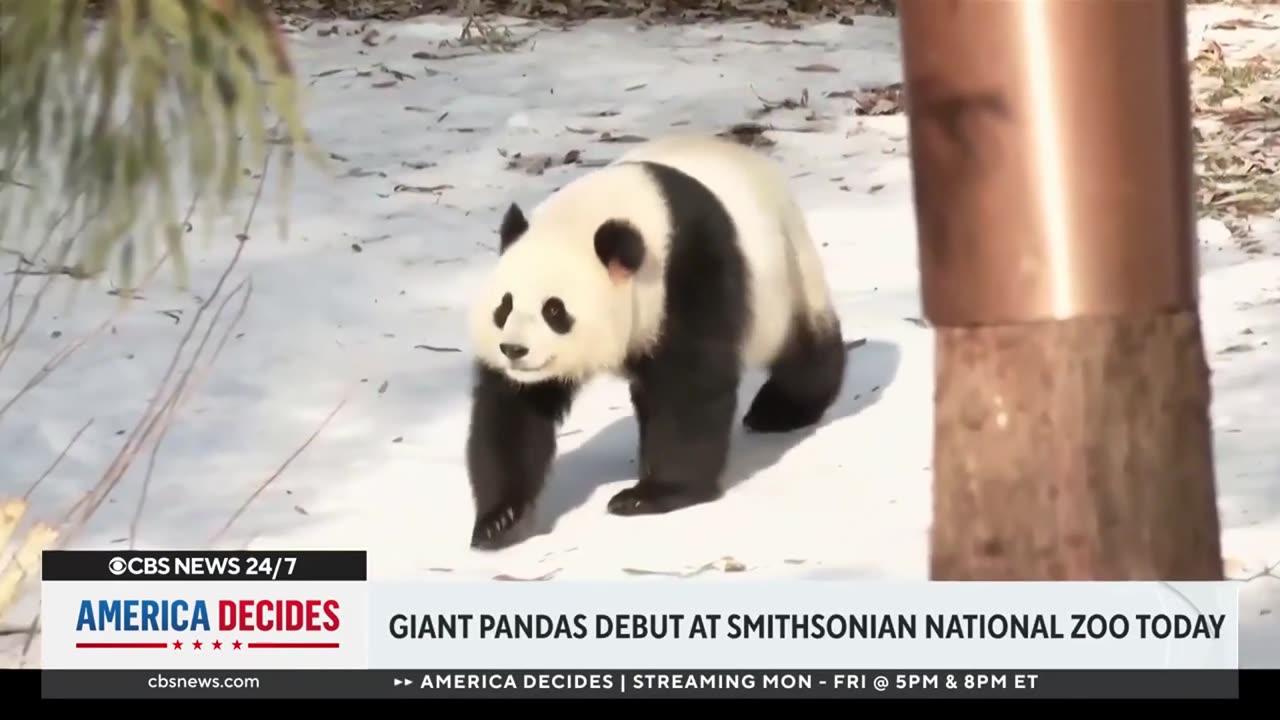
{"x":1074,"y":450}
{"x":1051,"y":157}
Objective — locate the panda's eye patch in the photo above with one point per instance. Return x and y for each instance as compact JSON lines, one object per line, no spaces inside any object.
{"x":556,"y":316}
{"x":503,"y":310}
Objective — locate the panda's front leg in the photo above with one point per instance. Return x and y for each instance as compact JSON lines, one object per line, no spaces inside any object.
{"x":510,"y":446}
{"x":685,"y":409}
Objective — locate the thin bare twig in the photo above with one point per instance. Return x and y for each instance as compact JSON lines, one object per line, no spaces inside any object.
{"x":9,"y":303}
{"x":57,"y":461}
{"x":279,"y":471}
{"x":66,"y":516}
{"x":1266,"y":571}
{"x":22,"y":258}
{"x":10,"y":343}
{"x":9,"y":346}
{"x":182,"y":392}
{"x":146,"y":426}
{"x":60,"y":270}
{"x":10,"y":300}
{"x":32,"y":631}
{"x":63,"y":355}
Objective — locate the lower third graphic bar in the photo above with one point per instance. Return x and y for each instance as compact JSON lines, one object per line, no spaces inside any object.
{"x":623,"y":684}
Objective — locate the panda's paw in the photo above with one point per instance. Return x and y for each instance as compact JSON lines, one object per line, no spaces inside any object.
{"x":776,"y":417}
{"x":649,"y":499}
{"x":495,"y":529}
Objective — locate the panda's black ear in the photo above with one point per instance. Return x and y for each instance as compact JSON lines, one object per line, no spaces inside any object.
{"x":513,"y":226}
{"x":620,"y":247}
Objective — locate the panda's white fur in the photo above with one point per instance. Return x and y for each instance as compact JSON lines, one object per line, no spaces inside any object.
{"x":555,"y":257}
{"x":678,"y":266}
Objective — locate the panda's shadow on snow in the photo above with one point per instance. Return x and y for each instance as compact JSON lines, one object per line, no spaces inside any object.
{"x":610,"y":455}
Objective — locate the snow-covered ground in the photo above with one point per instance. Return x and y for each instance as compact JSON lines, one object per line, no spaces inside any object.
{"x":386,"y":248}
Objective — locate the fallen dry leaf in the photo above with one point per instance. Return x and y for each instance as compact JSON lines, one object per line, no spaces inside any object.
{"x":1239,"y":23}
{"x":421,"y":188}
{"x":778,"y":13}
{"x":609,"y":138}
{"x":1236,"y":115}
{"x":883,"y":100}
{"x":540,"y":578}
{"x":768,"y":106}
{"x":538,"y":163}
{"x":749,"y":134}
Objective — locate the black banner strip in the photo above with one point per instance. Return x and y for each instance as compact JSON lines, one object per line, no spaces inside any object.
{"x":204,"y":565}
{"x":637,"y":684}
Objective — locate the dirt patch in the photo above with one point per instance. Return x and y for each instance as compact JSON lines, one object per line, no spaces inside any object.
{"x":1236,"y":115}
{"x":773,"y":11}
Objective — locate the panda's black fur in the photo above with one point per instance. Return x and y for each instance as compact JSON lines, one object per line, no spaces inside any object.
{"x":683,"y":391}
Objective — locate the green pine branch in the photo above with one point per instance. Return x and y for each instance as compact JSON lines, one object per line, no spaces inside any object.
{"x":120,"y":117}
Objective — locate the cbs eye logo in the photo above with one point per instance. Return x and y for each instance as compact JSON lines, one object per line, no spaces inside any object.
{"x":117,"y":566}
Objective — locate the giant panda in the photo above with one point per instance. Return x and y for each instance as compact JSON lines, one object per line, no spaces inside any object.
{"x":677,"y":267}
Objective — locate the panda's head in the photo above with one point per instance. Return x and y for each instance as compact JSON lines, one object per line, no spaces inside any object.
{"x":557,"y":305}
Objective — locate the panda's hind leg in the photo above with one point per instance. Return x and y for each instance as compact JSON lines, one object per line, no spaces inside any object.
{"x":804,"y":380}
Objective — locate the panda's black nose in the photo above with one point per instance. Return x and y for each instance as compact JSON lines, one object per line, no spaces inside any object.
{"x":513,"y":351}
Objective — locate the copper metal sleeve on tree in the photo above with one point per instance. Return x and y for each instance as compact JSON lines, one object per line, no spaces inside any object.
{"x":1052,"y":161}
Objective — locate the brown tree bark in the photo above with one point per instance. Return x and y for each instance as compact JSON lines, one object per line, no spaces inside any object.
{"x":1051,"y":159}
{"x":1074,"y":450}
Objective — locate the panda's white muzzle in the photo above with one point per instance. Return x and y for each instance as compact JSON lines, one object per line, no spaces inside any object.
{"x":516,"y":348}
